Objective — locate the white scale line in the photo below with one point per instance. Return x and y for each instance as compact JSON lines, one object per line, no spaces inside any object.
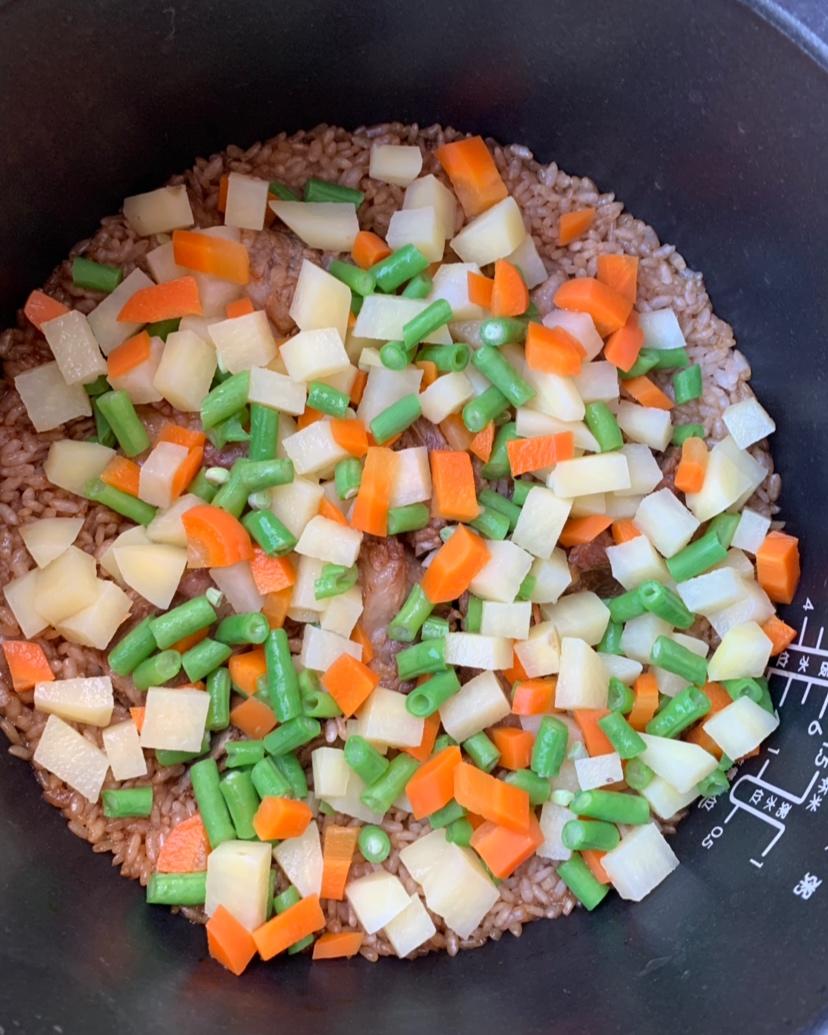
{"x":802,"y":631}
{"x":824,"y":706}
{"x":819,"y":638}
{"x":802,"y":676}
{"x":807,"y":691}
{"x":808,"y":650}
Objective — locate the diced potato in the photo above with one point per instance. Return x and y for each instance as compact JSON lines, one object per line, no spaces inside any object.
{"x":303,"y":603}
{"x":162,"y":264}
{"x":301,"y":860}
{"x":330,"y":772}
{"x":731,"y":475}
{"x":412,"y":476}
{"x":296,"y":503}
{"x":243,"y":342}
{"x":582,"y":614}
{"x":666,"y":522}
{"x":277,"y":391}
{"x":552,"y":576}
{"x":66,"y":585}
{"x":20,"y":596}
{"x":343,"y":611}
{"x":174,"y":718}
{"x":199,"y":325}
{"x":640,"y":634}
{"x":215,"y":294}
{"x":748,"y":422}
{"x":446,"y":395}
{"x":167,"y":527}
{"x":70,"y":465}
{"x":395,"y":163}
{"x":331,"y":226}
{"x":459,"y":890}
{"x":527,"y":259}
{"x":679,"y":762}
{"x":152,"y":571}
{"x":47,"y":538}
{"x":246,"y":202}
{"x":620,"y":506}
{"x":236,"y":583}
{"x":411,"y":928}
{"x":598,"y":771}
{"x":421,"y":227}
{"x":555,"y":396}
{"x":349,"y":804}
{"x":310,"y":355}
{"x":376,"y":899}
{"x":342,"y":381}
{"x":479,"y":703}
{"x":597,"y":382}
{"x":669,"y":683}
{"x":67,"y":754}
{"x":751,"y":531}
{"x":508,"y":620}
{"x":540,"y":652}
{"x":553,"y":818}
{"x":606,"y":472}
{"x":383,"y":317}
{"x":122,"y":745}
{"x":155,"y":482}
{"x":665,"y":800}
{"x":741,"y":727}
{"x":422,"y":856}
{"x":314,"y":450}
{"x":492,"y":235}
{"x":541,"y":521}
{"x":531,"y":423}
{"x":640,"y":862}
{"x":661,"y":330}
{"x":139,"y":383}
{"x":635,"y":562}
{"x":87,"y":700}
{"x":645,"y":424}
{"x":385,"y":719}
{"x":582,"y":679}
{"x":186,"y":370}
{"x":238,"y":875}
{"x":320,"y":648}
{"x":507,"y":567}
{"x":451,"y":282}
{"x":645,"y":473}
{"x":97,"y":623}
{"x":49,"y":400}
{"x":753,"y":606}
{"x":471,"y":650}
{"x":625,"y":669}
{"x":158,"y":211}
{"x":584,"y":506}
{"x":329,"y":541}
{"x":385,"y":387}
{"x":743,"y":652}
{"x":580,"y":326}
{"x":320,"y":301}
{"x":712,"y":591}
{"x":135,"y":536}
{"x":429,"y":192}
{"x":108,"y":330}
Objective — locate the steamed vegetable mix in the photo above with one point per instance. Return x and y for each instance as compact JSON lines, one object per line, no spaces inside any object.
{"x":488,"y":691}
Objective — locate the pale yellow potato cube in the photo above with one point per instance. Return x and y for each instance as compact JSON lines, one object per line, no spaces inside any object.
{"x":320,"y":648}
{"x":174,"y":718}
{"x":66,"y":585}
{"x":301,"y":860}
{"x":399,"y":164}
{"x":473,"y":650}
{"x":331,"y":226}
{"x":314,"y":450}
{"x":500,"y":578}
{"x":418,"y":226}
{"x":296,"y":503}
{"x":429,"y":192}
{"x":238,"y":874}
{"x":88,"y":700}
{"x":155,"y":481}
{"x":376,"y":899}
{"x":383,"y":317}
{"x":411,"y":928}
{"x":20,"y":596}
{"x":246,"y":203}
{"x":48,"y":399}
{"x":166,"y":526}
{"x":158,"y":211}
{"x":122,"y":745}
{"x":97,"y":623}
{"x":74,"y":347}
{"x":330,"y":541}
{"x":385,"y":719}
{"x":492,"y":235}
{"x":541,"y":521}
{"x":451,"y":282}
{"x":412,"y":476}
{"x":186,"y":370}
{"x":152,"y":571}
{"x":478,"y":704}
{"x":67,"y":754}
{"x":70,"y":464}
{"x":135,"y":536}
{"x":320,"y":300}
{"x":47,"y":538}
{"x":109,"y":331}
{"x":243,"y":342}
{"x":582,"y":679}
{"x":279,"y":392}
{"x":310,"y":355}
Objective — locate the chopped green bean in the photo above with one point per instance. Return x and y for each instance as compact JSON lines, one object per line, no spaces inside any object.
{"x":755,"y":689}
{"x":177,"y":889}
{"x":218,"y":688}
{"x":364,"y":759}
{"x":395,"y":356}
{"x":95,"y":276}
{"x":157,"y":670}
{"x":282,"y":682}
{"x":396,"y":418}
{"x":434,"y":628}
{"x":473,"y":615}
{"x":724,"y":526}
{"x":679,"y":712}
{"x":498,"y":466}
{"x":580,"y":834}
{"x":128,"y":427}
{"x":482,"y":751}
{"x":669,"y":359}
{"x":242,"y":801}
{"x":645,"y":362}
{"x":127,"y":801}
{"x":269,"y":532}
{"x":426,"y":322}
{"x":374,"y":844}
{"x":409,"y":619}
{"x":537,"y":787}
{"x":521,"y":489}
{"x":398,"y":267}
{"x":381,"y":795}
{"x":409,"y":518}
{"x":291,"y":769}
{"x":660,"y":600}
{"x":527,"y":588}
{"x":492,"y":364}
{"x":230,"y":430}
{"x":133,"y":648}
{"x":447,"y":358}
{"x":201,"y":487}
{"x":251,"y":627}
{"x":97,"y":387}
{"x":696,"y":558}
{"x":163,"y":328}
{"x":503,"y":330}
{"x":280,"y":191}
{"x":491,"y":524}
{"x":713,"y":784}
{"x":264,"y":432}
{"x":459,"y":832}
{"x":167,"y":757}
{"x":418,"y":287}
{"x":121,"y":502}
{"x":447,"y":814}
{"x":494,"y":501}
{"x":362,"y":282}
{"x":322,"y":190}
{"x":602,"y":423}
{"x":426,"y":699}
{"x":268,"y":781}
{"x":687,"y":384}
{"x":611,"y":640}
{"x":241,"y":753}
{"x":681,"y":432}
{"x":484,"y":408}
{"x":204,"y":776}
{"x":291,"y":735}
{"x":185,"y":620}
{"x":611,"y":807}
{"x":225,"y":399}
{"x":638,"y":774}
{"x":626,"y":741}
{"x":327,"y":399}
{"x":348,"y":478}
{"x":318,"y":704}
{"x":666,"y":653}
{"x":334,"y":580}
{"x":103,"y":431}
{"x":199,"y":661}
{"x":579,"y":879}
{"x":549,"y":749}
{"x":422,"y":659}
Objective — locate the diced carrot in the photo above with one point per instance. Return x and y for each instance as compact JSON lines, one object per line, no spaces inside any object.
{"x":572,"y":225}
{"x":137,"y":716}
{"x":623,"y":346}
{"x":453,"y":495}
{"x":432,"y":786}
{"x":592,"y":857}
{"x":275,"y":606}
{"x":510,"y":295}
{"x":502,"y":849}
{"x":553,"y":350}
{"x":779,"y":633}
{"x":360,"y":636}
{"x":514,"y":745}
{"x":647,"y":392}
{"x":215,"y":539}
{"x":180,"y":435}
{"x":27,"y":663}
{"x":777,"y":566}
{"x":229,"y":942}
{"x":368,"y":249}
{"x":270,"y":574}
{"x":533,"y":696}
{"x":215,"y":256}
{"x":253,"y":718}
{"x":221,"y":201}
{"x":646,"y":701}
{"x":431,"y":727}
{"x":454,"y":566}
{"x":692,"y":467}
{"x":331,"y":511}
{"x":623,"y":530}
{"x":351,"y":435}
{"x":482,"y":443}
{"x":534,"y":454}
{"x":619,"y":272}
{"x":607,"y":308}
{"x":480,"y":289}
{"x":283,"y":930}
{"x":185,"y":848}
{"x":246,"y":669}
{"x":579,"y":530}
{"x":123,"y":474}
{"x":358,"y":387}
{"x":186,"y":471}
{"x":455,"y":432}
{"x":239,"y":307}
{"x":40,"y":308}
{"x":131,"y":354}
{"x":595,"y":739}
{"x":187,"y":642}
{"x":493,"y":799}
{"x":281,"y":818}
{"x":516,"y":673}
{"x":349,"y":682}
{"x":430,"y":372}
{"x":309,"y":416}
{"x":372,"y":502}
{"x":337,"y":945}
{"x":338,"y":845}
{"x":470,"y":167}
{"x":165,"y":301}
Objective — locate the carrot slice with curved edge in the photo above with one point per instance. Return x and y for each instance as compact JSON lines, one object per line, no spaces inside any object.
{"x":349,"y":682}
{"x":579,"y":530}
{"x":777,"y":566}
{"x":253,"y":718}
{"x":623,"y":346}
{"x":646,"y":701}
{"x":619,"y":272}
{"x":572,"y":225}
{"x":595,"y":739}
{"x":270,"y":574}
{"x":351,"y":435}
{"x":338,"y":846}
{"x":186,"y":471}
{"x":482,"y":443}
{"x":592,"y":857}
{"x":131,"y":354}
{"x":779,"y":633}
{"x":516,"y":673}
{"x":246,"y":668}
{"x":533,"y":454}
{"x":479,"y":289}
{"x":181,"y":436}
{"x":514,"y":745}
{"x":719,"y":699}
{"x":296,"y":923}
{"x":358,"y":387}
{"x":608,"y":309}
{"x":229,"y":942}
{"x":553,"y":350}
{"x":533,"y":696}
{"x":623,"y":530}
{"x":221,"y":201}
{"x":307,"y":417}
{"x":502,"y":849}
{"x":239,"y":307}
{"x":454,"y":566}
{"x":185,"y":848}
{"x":455,"y":432}
{"x":360,"y":636}
{"x":430,"y":372}
{"x":471,"y":168}
{"x":331,"y":511}
{"x":431,"y":727}
{"x":137,"y":716}
{"x":368,"y":248}
{"x":122,"y":473}
{"x":187,"y":642}
{"x":215,"y":256}
{"x":647,"y":392}
{"x":692,"y":467}
{"x":165,"y":301}
{"x":40,"y":308}
{"x":215,"y":539}
{"x":453,"y":495}
{"x":510,"y":295}
{"x":27,"y":663}
{"x":432,"y":786}
{"x":493,"y":799}
{"x":337,"y":945}
{"x":276,"y":605}
{"x":373,"y":500}
{"x":281,"y":818}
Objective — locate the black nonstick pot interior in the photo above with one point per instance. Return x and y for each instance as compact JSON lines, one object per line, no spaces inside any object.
{"x":710,"y":124}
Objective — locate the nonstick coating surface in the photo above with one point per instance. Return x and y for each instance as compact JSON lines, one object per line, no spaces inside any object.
{"x":710,"y":125}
